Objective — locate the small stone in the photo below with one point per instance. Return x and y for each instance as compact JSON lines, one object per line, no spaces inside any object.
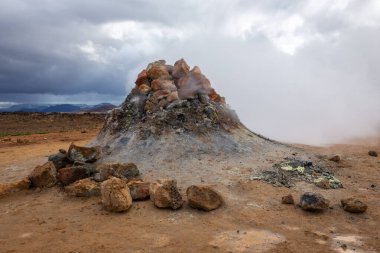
{"x":139,"y":190}
{"x":83,"y":154}
{"x":116,"y":196}
{"x":44,"y":175}
{"x":60,"y":160}
{"x":83,"y":188}
{"x":203,"y":197}
{"x":164,"y":193}
{"x":372,"y":153}
{"x":335,"y":158}
{"x":353,"y":205}
{"x":120,"y":170}
{"x":287,"y":199}
{"x":313,"y":202}
{"x":322,"y":182}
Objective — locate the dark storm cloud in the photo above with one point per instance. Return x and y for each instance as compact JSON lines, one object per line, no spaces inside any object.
{"x":294,"y":70}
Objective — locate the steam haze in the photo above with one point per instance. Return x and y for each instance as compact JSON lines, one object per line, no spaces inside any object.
{"x":298,"y":71}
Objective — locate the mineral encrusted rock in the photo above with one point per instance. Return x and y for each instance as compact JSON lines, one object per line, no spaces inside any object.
{"x":165,"y":194}
{"x":116,"y":196}
{"x":83,"y":188}
{"x":44,"y":175}
{"x":353,"y":205}
{"x":83,"y":154}
{"x":203,"y":197}
{"x":313,"y":202}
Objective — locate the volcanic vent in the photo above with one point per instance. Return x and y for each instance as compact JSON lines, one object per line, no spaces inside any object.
{"x":173,"y":121}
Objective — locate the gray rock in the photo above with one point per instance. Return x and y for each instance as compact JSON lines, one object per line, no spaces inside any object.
{"x":83,"y":154}
{"x":60,"y":160}
{"x":313,"y":202}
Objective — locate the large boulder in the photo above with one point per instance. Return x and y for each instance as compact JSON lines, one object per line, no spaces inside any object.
{"x":203,"y":197}
{"x":83,"y":188}
{"x":120,"y":170}
{"x":116,"y":196}
{"x":313,"y":202}
{"x":165,"y":194}
{"x":44,"y":175}
{"x":353,"y":205}
{"x":83,"y":154}
{"x":60,"y":160}
{"x":139,"y":189}
{"x":76,"y":172}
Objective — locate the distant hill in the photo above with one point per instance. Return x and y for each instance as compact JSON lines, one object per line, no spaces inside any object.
{"x":103,"y":107}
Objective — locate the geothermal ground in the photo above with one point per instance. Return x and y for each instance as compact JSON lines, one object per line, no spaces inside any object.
{"x":252,"y":218}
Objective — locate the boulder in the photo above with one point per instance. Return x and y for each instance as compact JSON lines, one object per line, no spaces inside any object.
{"x":180,"y":69}
{"x":60,"y":160}
{"x":335,"y":158}
{"x":83,"y":154}
{"x":44,"y":175}
{"x":313,"y":202}
{"x":353,"y":205}
{"x":287,"y":199}
{"x":8,"y":188}
{"x":78,"y":171}
{"x":120,"y":170}
{"x":139,"y":190}
{"x":142,"y":78}
{"x":372,"y":153}
{"x":165,"y":194}
{"x":116,"y":196}
{"x":203,"y":197}
{"x":83,"y":188}
{"x":158,"y":71}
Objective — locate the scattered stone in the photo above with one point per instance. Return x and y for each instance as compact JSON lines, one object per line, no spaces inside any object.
{"x":322,"y":182}
{"x":164,"y":193}
{"x":83,"y":188}
{"x":287,"y":199}
{"x":313,"y":202}
{"x":120,"y":170}
{"x":372,"y":153}
{"x":44,"y":175}
{"x":60,"y":160}
{"x":83,"y":154}
{"x":8,"y":188}
{"x":78,"y":171}
{"x":353,"y":205}
{"x":203,"y":197}
{"x":139,"y":190}
{"x":116,"y":196}
{"x":335,"y":158}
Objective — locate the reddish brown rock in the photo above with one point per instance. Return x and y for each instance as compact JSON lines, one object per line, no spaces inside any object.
{"x":83,"y":188}
{"x":116,"y":196}
{"x":173,"y":96}
{"x":335,"y":158}
{"x":287,"y":199}
{"x":71,"y":174}
{"x":353,"y":205}
{"x":196,"y":69}
{"x":158,"y":71}
{"x":372,"y":153}
{"x":44,"y":175}
{"x":83,"y":154}
{"x":139,"y":190}
{"x":180,"y":69}
{"x":142,"y":78}
{"x":165,"y":194}
{"x":144,"y":89}
{"x":9,"y":188}
{"x":203,"y":197}
{"x":119,"y":170}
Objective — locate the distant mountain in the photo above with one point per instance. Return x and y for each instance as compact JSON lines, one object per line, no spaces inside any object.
{"x":103,"y":107}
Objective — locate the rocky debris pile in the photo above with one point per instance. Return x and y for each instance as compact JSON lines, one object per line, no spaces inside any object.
{"x":293,"y":170}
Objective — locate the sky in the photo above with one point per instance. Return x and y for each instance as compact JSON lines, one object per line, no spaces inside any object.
{"x":299,"y":71}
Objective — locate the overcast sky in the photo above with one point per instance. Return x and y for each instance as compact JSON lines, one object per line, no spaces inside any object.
{"x":302,"y":71}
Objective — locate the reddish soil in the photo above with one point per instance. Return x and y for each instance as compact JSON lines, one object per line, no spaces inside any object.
{"x":252,"y":219}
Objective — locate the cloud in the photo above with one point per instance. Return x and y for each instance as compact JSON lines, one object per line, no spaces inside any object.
{"x":303,"y":71}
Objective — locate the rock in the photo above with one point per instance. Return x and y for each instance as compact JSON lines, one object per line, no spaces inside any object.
{"x":139,"y":190}
{"x":60,"y":160}
{"x":83,"y":154}
{"x":158,"y":71}
{"x":353,"y":205}
{"x":142,"y":78}
{"x":313,"y":202}
{"x":8,"y":188}
{"x":287,"y":199}
{"x":62,"y":151}
{"x":203,"y":197}
{"x":120,"y":170}
{"x":164,"y":193}
{"x":180,"y":69}
{"x":83,"y":188}
{"x":144,"y":89}
{"x":322,"y":182}
{"x":78,"y":171}
{"x":116,"y":196}
{"x":335,"y":158}
{"x":372,"y":153}
{"x":44,"y":175}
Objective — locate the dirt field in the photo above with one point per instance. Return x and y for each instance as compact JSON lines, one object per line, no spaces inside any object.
{"x":252,"y":219}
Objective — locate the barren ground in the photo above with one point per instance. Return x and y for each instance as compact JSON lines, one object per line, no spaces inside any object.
{"x":252,"y":219}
